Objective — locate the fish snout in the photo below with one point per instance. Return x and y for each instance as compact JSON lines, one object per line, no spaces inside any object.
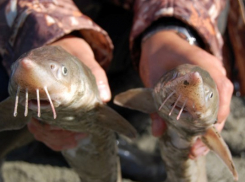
{"x":26,"y":64}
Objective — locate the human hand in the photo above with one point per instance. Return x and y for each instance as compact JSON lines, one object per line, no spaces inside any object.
{"x":54,"y":137}
{"x":164,"y":51}
{"x":57,"y":138}
{"x":81,"y":49}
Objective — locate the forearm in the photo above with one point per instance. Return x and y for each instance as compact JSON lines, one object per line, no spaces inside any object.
{"x":29,"y":24}
{"x":167,"y":50}
{"x":198,"y":15}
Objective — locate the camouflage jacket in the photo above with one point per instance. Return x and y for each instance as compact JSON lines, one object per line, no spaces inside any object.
{"x":26,"y":24}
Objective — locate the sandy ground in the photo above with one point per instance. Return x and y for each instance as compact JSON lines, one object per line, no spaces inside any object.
{"x":233,"y":133}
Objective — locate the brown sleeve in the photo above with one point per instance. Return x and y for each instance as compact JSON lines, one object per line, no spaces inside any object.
{"x":236,"y":31}
{"x":27,"y":24}
{"x":199,"y":15}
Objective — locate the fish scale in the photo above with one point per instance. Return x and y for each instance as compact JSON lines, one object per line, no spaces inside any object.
{"x":61,"y":91}
{"x":186,"y":98}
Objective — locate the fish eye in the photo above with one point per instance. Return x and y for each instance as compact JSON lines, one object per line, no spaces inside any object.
{"x":64,"y":70}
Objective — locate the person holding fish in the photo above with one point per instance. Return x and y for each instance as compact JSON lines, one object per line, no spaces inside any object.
{"x":164,"y":35}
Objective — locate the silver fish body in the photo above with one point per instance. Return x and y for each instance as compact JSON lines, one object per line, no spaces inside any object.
{"x":198,"y":97}
{"x":187,"y":99}
{"x":55,"y":87}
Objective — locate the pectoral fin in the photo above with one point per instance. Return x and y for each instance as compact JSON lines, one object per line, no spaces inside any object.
{"x":216,"y":143}
{"x":110,"y":119}
{"x":139,"y":99}
{"x":7,"y":119}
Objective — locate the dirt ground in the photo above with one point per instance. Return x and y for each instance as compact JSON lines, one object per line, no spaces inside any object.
{"x":15,"y":170}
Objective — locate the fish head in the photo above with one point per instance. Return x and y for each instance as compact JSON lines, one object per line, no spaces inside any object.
{"x":189,"y":95}
{"x":48,"y":74}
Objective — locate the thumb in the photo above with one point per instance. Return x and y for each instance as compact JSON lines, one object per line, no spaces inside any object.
{"x":81,"y":49}
{"x":102,"y":82}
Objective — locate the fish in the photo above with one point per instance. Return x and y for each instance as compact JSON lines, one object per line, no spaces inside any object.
{"x":55,"y":87}
{"x":186,"y":97}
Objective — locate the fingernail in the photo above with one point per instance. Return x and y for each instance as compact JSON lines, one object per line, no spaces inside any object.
{"x":105,"y":94}
{"x":206,"y":152}
{"x":200,"y":151}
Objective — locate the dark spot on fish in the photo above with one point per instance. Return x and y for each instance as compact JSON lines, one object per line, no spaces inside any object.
{"x":186,"y":82}
{"x":216,"y":120}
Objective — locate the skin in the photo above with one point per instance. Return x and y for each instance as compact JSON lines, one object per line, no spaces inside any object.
{"x":160,"y":53}
{"x":164,"y":51}
{"x":56,"y":138}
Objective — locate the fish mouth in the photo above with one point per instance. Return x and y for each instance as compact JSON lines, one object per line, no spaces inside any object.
{"x":177,"y":105}
{"x":42,"y":104}
{"x":33,"y":104}
{"x":178,"y":108}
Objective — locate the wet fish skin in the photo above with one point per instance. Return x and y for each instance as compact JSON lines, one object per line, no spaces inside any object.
{"x":187,"y":99}
{"x":55,"y":87}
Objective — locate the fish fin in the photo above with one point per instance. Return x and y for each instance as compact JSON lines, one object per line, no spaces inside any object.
{"x":7,"y":119}
{"x":216,"y":143}
{"x":140,"y":99}
{"x":13,"y":139}
{"x":110,"y":119}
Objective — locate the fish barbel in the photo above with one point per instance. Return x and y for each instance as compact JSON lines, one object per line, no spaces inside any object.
{"x":55,"y":87}
{"x":187,"y":99}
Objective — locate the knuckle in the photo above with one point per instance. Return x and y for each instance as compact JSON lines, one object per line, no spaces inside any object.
{"x":229,"y":85}
{"x":226,"y":85}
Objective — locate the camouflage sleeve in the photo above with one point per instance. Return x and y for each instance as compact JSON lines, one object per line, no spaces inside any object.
{"x":201,"y":16}
{"x":27,"y":24}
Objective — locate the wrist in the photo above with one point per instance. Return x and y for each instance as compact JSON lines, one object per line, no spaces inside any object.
{"x":164,"y":51}
{"x":167,"y":49}
{"x":173,"y":24}
{"x":183,"y":32}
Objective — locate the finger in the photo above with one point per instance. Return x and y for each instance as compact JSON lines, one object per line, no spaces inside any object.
{"x":100,"y":76}
{"x":48,"y":136}
{"x":64,"y":144}
{"x":48,"y":139}
{"x":36,"y":126}
{"x":87,"y":57}
{"x":158,"y":125}
{"x":225,"y":89}
{"x":198,"y":149}
{"x":102,"y":83}
{"x":60,"y":147}
{"x":42,"y":134}
{"x":219,"y":126}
